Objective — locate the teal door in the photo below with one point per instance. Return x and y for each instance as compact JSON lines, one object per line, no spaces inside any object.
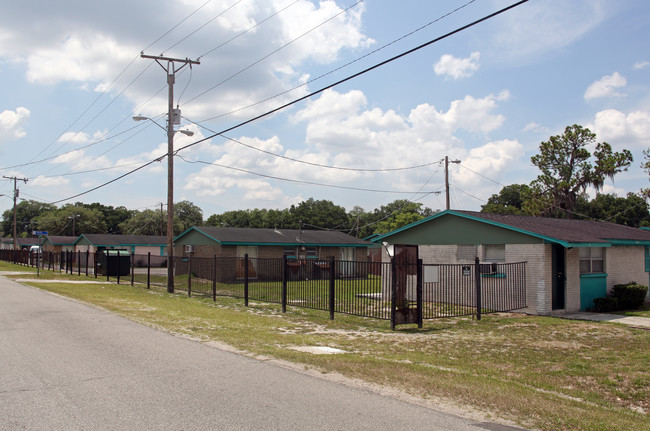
{"x":592,"y":286}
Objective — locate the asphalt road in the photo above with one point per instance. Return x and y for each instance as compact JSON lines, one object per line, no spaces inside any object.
{"x":69,"y":366}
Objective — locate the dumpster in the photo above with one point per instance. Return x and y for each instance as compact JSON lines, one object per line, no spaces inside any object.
{"x":114,"y":262}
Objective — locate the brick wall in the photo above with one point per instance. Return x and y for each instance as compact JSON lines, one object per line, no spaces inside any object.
{"x":624,"y":264}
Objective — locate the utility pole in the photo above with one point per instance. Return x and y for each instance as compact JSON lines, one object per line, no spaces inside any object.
{"x":15,"y":198}
{"x":162,"y":220}
{"x":447,"y":178}
{"x":173,"y":117}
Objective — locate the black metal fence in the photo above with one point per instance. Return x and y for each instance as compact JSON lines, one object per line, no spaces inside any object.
{"x":402,"y":292}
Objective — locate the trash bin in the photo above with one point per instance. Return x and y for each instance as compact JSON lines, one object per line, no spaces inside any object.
{"x":115,"y":262}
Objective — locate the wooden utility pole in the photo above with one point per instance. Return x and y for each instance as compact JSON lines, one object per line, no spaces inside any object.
{"x":173,"y":117}
{"x":15,"y":198}
{"x":447,"y":178}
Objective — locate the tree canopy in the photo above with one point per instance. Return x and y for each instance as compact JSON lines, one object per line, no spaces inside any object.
{"x":567,"y":168}
{"x":62,"y":221}
{"x":26,"y":212}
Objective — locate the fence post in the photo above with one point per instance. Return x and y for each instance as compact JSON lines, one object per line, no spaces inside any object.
{"x":107,"y":265}
{"x":149,"y":270}
{"x":214,"y":277}
{"x":189,"y":275}
{"x":119,"y":267}
{"x":246,"y":279}
{"x":95,"y":263}
{"x":87,"y":257}
{"x":284,"y":283}
{"x":332,"y":286}
{"x":393,"y":292}
{"x":132,"y":266}
{"x":477,"y":272}
{"x":79,"y":263}
{"x":419,"y":293}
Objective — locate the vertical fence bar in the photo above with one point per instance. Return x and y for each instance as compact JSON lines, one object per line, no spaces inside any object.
{"x":79,"y":263}
{"x":108,"y":265}
{"x":332,"y":287}
{"x":477,"y":271}
{"x":149,"y":270}
{"x":132,"y":266}
{"x":119,"y":267}
{"x":189,"y":276}
{"x":418,"y":287}
{"x":285,"y":268}
{"x":95,"y":263}
{"x":214,"y":277}
{"x":246,"y":279}
{"x":87,"y":256}
{"x":393,"y":292}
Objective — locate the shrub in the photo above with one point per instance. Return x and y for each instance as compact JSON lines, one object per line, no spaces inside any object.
{"x":605,"y":305}
{"x":630,"y":295}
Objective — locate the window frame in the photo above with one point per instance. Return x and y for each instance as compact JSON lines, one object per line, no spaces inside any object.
{"x":586,"y":256}
{"x":498,"y":259}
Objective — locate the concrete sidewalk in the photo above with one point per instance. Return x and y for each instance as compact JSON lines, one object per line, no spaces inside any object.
{"x":638,"y":322}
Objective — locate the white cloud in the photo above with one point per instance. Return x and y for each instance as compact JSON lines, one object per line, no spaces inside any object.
{"x":12,"y":123}
{"x":641,"y":65}
{"x":41,"y":181}
{"x":324,"y":43}
{"x":535,"y":127}
{"x":491,"y":160}
{"x":457,"y":67}
{"x":606,"y":86}
{"x":537,"y":28}
{"x":620,"y":129}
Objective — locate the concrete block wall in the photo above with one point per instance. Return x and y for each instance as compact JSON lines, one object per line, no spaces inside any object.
{"x":624,"y":264}
{"x":538,"y":274}
{"x":572,"y":268}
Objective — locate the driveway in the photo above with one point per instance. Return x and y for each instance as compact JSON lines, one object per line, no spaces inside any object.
{"x":69,"y":366}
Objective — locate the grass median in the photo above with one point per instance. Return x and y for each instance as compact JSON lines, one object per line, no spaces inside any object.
{"x":539,"y":372}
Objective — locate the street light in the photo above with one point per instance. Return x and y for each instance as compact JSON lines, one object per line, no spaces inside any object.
{"x":170,"y":185}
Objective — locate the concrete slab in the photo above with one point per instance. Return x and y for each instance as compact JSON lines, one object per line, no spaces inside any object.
{"x":639,"y":322}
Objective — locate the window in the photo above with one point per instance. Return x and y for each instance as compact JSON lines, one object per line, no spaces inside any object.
{"x":592,"y":260}
{"x":494,"y":253}
{"x":311,"y":253}
{"x":290,"y":252}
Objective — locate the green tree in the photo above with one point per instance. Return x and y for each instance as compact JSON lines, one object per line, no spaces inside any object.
{"x":113,"y":216}
{"x":26,"y":213}
{"x":397,"y":214}
{"x":186,"y":215}
{"x":315,"y":214}
{"x":62,"y":221}
{"x":510,"y":200}
{"x":567,"y":170}
{"x":630,"y":211}
{"x":146,"y":222}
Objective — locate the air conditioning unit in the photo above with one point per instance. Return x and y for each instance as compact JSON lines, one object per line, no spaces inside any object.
{"x":189,"y":248}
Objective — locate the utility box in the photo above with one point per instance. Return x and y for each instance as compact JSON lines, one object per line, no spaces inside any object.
{"x":114,"y":263}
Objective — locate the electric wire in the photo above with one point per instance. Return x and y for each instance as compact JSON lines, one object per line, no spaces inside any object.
{"x":249,"y":29}
{"x":304,"y":84}
{"x":202,"y":26}
{"x":357,"y":74}
{"x":275,"y":51}
{"x":313,"y":163}
{"x":410,"y":51}
{"x":295,"y":180}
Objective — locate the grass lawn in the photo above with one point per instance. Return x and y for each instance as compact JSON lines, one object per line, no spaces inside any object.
{"x":539,"y":372}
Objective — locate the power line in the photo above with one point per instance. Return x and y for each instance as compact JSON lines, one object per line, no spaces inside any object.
{"x":273,"y":52}
{"x":313,"y":163}
{"x":298,"y":181}
{"x":417,"y":48}
{"x":304,"y":84}
{"x":356,"y":75}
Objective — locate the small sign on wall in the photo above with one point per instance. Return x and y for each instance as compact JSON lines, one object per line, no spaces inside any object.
{"x":467,"y":271}
{"x":431,"y":274}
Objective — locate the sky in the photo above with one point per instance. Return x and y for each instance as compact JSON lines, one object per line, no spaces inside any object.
{"x":72,"y":78}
